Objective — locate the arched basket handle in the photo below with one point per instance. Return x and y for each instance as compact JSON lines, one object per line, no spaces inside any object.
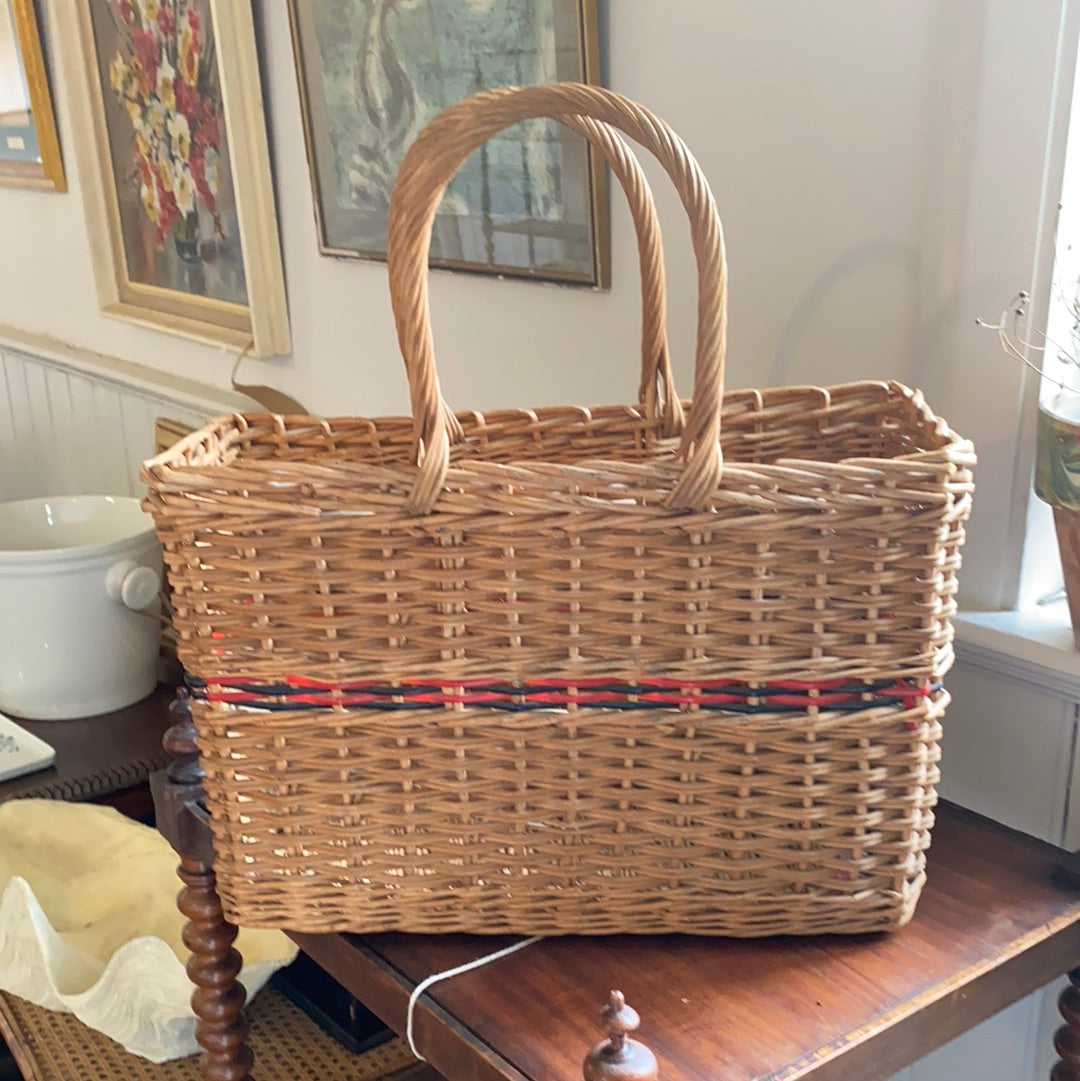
{"x":436,"y":154}
{"x":656,"y":390}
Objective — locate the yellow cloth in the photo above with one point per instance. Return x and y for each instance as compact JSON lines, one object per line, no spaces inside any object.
{"x":89,"y":924}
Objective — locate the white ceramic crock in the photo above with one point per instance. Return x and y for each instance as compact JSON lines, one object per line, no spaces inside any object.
{"x":79,"y":596}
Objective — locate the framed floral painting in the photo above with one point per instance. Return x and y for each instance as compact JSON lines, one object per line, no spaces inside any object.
{"x":531,"y":203}
{"x":29,"y":147}
{"x":175,"y":170}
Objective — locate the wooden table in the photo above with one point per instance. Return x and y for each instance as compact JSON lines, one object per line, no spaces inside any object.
{"x":1000,"y":917}
{"x":991,"y":927}
{"x":104,"y":759}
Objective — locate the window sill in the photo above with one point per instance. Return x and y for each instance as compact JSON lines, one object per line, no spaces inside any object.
{"x":1035,"y":646}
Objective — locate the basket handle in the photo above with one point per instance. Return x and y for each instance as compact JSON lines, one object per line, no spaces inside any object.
{"x":656,"y":391}
{"x":430,"y":163}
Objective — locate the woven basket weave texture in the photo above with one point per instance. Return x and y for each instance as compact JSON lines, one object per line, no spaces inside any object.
{"x":758,"y":584}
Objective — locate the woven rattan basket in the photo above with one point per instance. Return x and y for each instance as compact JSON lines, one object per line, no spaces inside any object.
{"x":569,"y":670}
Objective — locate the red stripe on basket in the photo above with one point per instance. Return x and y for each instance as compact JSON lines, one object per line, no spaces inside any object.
{"x":661,"y":692}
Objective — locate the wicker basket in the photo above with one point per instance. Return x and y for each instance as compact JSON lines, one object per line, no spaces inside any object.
{"x":569,"y":670}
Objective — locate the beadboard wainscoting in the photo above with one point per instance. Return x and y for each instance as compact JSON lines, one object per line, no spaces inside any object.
{"x":66,"y":429}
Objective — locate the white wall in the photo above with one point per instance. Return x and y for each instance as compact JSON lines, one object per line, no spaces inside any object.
{"x":878,"y":166}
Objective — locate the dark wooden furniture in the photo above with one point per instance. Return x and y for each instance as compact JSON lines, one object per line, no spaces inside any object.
{"x":104,"y":759}
{"x":990,"y":928}
{"x":994,"y":924}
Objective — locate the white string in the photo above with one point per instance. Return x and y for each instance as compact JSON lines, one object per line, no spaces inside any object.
{"x":424,"y":984}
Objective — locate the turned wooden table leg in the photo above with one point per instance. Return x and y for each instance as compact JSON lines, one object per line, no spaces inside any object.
{"x":1067,"y":1038}
{"x":218,"y":1000}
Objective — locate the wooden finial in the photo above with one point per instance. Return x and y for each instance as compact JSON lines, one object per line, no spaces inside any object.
{"x":179,"y":741}
{"x":618,"y":1058}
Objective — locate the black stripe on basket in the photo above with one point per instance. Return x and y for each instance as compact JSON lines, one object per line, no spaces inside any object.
{"x":714,"y":695}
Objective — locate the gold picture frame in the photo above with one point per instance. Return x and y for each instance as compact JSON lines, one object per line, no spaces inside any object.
{"x":171,"y":147}
{"x":543,"y":216}
{"x":29,"y":147}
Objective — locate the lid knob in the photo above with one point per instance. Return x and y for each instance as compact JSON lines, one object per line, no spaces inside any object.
{"x":619,"y":1058}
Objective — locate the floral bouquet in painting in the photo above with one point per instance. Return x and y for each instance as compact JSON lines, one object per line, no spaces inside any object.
{"x":165,"y":77}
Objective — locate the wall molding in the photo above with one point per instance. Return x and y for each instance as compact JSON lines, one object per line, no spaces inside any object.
{"x":1033,"y":648}
{"x":73,"y":422}
{"x":170,"y":389}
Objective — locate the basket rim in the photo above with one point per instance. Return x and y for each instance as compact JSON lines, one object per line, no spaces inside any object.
{"x":957,"y":450}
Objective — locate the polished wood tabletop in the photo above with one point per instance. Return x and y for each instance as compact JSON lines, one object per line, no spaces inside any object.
{"x":105,"y":758}
{"x":991,"y":927}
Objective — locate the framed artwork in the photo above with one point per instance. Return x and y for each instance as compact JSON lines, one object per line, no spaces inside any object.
{"x":172,"y":152}
{"x":530,"y":203}
{"x":29,"y":147}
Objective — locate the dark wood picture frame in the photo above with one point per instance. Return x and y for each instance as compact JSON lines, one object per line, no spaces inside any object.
{"x":353,"y":231}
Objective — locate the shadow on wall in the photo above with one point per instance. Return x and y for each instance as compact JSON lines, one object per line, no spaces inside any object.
{"x":846,"y":267}
{"x":932,"y":346}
